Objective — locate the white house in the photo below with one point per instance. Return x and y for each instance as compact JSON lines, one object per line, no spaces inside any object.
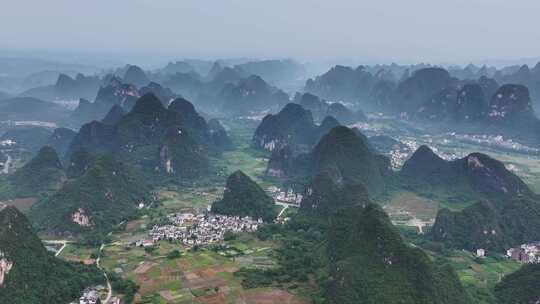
{"x":480,"y":253}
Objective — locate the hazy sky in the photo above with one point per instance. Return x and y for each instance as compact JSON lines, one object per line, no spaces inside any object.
{"x":401,"y":30}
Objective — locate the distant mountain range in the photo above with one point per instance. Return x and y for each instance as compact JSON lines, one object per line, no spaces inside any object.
{"x":478,"y":100}
{"x":120,"y":94}
{"x":32,"y":109}
{"x":66,"y":88}
{"x":172,"y":141}
{"x":251,"y":94}
{"x":322,"y":109}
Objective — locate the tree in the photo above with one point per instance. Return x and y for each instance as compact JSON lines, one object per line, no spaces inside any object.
{"x":173,"y":255}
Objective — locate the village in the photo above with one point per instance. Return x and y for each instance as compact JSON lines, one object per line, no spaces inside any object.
{"x":92,"y":295}
{"x":205,"y":228}
{"x":89,"y":296}
{"x":285,"y":197}
{"x":526,"y":253}
{"x":200,"y":229}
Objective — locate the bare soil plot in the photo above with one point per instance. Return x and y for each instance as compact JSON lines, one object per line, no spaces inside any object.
{"x":273,"y":296}
{"x":217,"y":298}
{"x":199,"y":280}
{"x":408,"y":204}
{"x":143,"y":268}
{"x":133,"y":225}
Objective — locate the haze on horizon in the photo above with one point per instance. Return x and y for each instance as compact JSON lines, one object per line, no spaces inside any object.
{"x":457,"y":31}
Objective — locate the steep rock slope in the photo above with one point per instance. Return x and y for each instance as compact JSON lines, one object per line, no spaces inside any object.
{"x":293,"y":126}
{"x":174,"y":141}
{"x":492,"y":226}
{"x":370,"y":263}
{"x":105,"y":194}
{"x":475,"y":176}
{"x":243,"y":197}
{"x":31,"y":275}
{"x":521,"y":286}
{"x":60,"y":140}
{"x":346,"y":157}
{"x":42,"y":174}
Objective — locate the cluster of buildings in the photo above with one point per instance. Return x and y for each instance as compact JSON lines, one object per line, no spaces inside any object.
{"x":89,"y":296}
{"x":497,"y":141}
{"x":7,"y":143}
{"x":398,"y":157}
{"x":287,"y":197}
{"x":200,"y":229}
{"x":526,"y":253}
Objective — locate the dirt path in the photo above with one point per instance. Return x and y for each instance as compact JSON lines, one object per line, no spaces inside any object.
{"x":419,"y":224}
{"x":284,"y":206}
{"x":60,"y":250}
{"x":56,"y":242}
{"x":282,"y":210}
{"x":109,"y":287}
